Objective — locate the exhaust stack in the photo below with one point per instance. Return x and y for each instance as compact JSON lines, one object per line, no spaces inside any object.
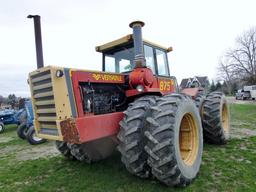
{"x":38,"y":40}
{"x":139,"y":59}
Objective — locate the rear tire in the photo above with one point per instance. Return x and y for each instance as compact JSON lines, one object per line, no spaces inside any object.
{"x":132,"y":139}
{"x":32,"y":138}
{"x":64,"y":149}
{"x":93,"y":151}
{"x":22,"y":130}
{"x":199,"y":100}
{"x":2,"y":127}
{"x":216,"y":124}
{"x":175,"y":140}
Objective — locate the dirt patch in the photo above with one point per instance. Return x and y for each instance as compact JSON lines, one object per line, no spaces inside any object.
{"x":8,"y":149}
{"x":35,"y":152}
{"x":29,"y":152}
{"x":5,"y":139}
{"x":241,"y":125}
{"x":239,"y":133}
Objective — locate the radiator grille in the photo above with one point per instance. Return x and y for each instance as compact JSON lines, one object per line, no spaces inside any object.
{"x":41,"y":84}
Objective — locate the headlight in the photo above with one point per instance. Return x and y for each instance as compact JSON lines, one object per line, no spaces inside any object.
{"x":140,"y":88}
{"x":59,"y":73}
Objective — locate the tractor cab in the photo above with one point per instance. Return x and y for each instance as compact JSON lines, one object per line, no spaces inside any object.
{"x":118,"y":56}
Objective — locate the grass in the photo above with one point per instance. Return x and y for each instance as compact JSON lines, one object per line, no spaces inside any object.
{"x":224,"y":168}
{"x":243,"y":115}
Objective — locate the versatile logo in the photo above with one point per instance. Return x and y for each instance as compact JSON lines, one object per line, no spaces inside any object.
{"x":107,"y":77}
{"x":96,"y":76}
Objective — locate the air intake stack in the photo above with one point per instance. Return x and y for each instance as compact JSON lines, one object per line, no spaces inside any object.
{"x":38,"y":40}
{"x":139,"y":59}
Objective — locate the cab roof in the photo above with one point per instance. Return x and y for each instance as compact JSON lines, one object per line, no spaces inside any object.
{"x":125,"y":40}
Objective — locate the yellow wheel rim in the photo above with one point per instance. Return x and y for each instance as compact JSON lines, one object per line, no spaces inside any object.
{"x":225,"y":119}
{"x":188,"y":139}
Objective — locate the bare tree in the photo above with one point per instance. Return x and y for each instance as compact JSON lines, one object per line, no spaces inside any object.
{"x":226,"y":74}
{"x":240,"y":63}
{"x":12,"y":100}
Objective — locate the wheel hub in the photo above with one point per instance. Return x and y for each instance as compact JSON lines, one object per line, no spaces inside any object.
{"x":35,"y":138}
{"x":188,"y":139}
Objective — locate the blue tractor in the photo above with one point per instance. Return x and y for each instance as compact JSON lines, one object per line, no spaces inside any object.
{"x":9,"y":116}
{"x":26,"y":128}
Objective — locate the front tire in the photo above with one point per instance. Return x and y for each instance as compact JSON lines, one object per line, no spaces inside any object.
{"x":175,"y":140}
{"x":22,"y":130}
{"x":132,"y":139}
{"x":32,"y":138}
{"x":2,"y":127}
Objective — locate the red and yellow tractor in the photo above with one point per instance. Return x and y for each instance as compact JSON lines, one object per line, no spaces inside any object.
{"x":132,"y":105}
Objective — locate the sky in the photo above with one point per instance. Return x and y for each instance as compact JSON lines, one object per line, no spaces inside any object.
{"x":200,"y":31}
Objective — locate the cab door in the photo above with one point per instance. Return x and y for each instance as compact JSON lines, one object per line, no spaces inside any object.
{"x":156,"y":60}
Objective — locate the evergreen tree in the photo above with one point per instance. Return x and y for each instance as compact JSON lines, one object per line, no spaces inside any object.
{"x":212,"y":87}
{"x":218,"y":86}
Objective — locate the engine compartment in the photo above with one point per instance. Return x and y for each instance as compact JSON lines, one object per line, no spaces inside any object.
{"x":101,"y":98}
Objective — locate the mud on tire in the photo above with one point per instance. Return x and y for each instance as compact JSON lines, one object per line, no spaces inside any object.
{"x":215,"y":119}
{"x":175,"y":140}
{"x":132,"y":139}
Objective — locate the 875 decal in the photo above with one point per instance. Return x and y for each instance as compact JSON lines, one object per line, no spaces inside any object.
{"x":165,"y":85}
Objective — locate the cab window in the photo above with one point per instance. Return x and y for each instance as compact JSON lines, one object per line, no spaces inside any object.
{"x":119,"y":61}
{"x":109,"y":64}
{"x":162,"y":65}
{"x":149,"y":56}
